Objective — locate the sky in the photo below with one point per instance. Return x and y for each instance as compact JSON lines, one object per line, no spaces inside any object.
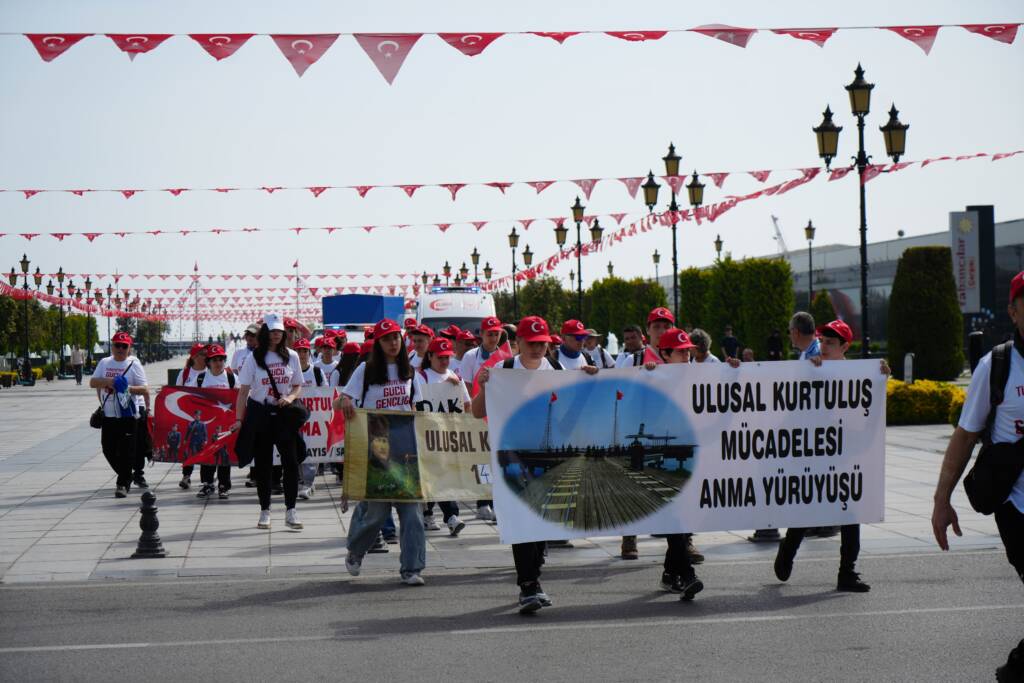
{"x":526,"y":109}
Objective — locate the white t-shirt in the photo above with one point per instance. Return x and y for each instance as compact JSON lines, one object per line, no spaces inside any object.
{"x":710,"y":358}
{"x":625,"y":359}
{"x":309,"y":376}
{"x":1008,"y":425}
{"x":436,"y":378}
{"x":287,"y":374}
{"x":212,"y":381}
{"x":571,"y":363}
{"x":396,"y":394}
{"x":471,"y":363}
{"x":600,"y":357}
{"x":455,"y":366}
{"x":238,"y":357}
{"x":415,"y":360}
{"x":327,"y":369}
{"x":187,"y":377}
{"x":544,"y":364}
{"x":110,"y":368}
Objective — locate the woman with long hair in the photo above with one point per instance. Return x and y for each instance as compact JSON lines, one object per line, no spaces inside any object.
{"x":385,"y":382}
{"x":195,"y":365}
{"x":346,"y":366}
{"x":271,"y":382}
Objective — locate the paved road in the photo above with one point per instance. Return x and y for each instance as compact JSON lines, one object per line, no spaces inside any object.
{"x":930,"y":617}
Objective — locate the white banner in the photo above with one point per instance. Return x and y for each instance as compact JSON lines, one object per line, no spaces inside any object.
{"x":694,"y":447}
{"x":319,"y":400}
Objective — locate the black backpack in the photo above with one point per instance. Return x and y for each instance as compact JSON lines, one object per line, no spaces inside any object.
{"x":997,"y":466}
{"x":202,"y":376}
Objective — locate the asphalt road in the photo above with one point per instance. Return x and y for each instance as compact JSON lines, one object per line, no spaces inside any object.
{"x":929,"y":617}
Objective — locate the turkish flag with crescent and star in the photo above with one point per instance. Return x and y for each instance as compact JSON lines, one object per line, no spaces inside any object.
{"x":188,"y":420}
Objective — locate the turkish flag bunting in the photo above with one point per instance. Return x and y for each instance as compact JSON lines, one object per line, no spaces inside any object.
{"x":871,"y":172}
{"x":540,"y":185}
{"x":31,"y":193}
{"x":128,"y":194}
{"x":675,"y":182}
{"x":479,"y":225}
{"x":760,"y":175}
{"x":302,"y":51}
{"x":79,"y":193}
{"x":932,"y":161}
{"x":470,"y":44}
{"x":317,"y":191}
{"x":729,"y":34}
{"x":177,"y":190}
{"x":618,"y":217}
{"x":453,"y":188}
{"x":410,"y":190}
{"x":837,"y":173}
{"x":29,"y":235}
{"x":922,"y":36}
{"x":637,"y":36}
{"x":443,"y":226}
{"x":363,"y":189}
{"x":501,"y":354}
{"x":53,"y":45}
{"x":717,"y":178}
{"x":818,"y":36}
{"x":500,"y":186}
{"x":526,"y":222}
{"x":587,"y":185}
{"x":387,"y":51}
{"x":1004,"y":33}
{"x":558,"y":36}
{"x":632,"y":185}
{"x":137,"y":44}
{"x":60,"y":235}
{"x":220,"y":45}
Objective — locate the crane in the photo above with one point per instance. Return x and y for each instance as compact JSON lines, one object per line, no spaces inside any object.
{"x":780,"y":240}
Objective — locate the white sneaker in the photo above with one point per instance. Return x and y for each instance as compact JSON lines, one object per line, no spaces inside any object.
{"x":304,"y":494}
{"x":291,"y":519}
{"x":430,"y":524}
{"x":353,"y":565}
{"x":185,"y":482}
{"x":455,"y":525}
{"x":485,"y":513}
{"x":413,"y":580}
{"x":264,"y":522}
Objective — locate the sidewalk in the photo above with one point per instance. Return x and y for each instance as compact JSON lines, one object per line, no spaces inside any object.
{"x":59,"y":520}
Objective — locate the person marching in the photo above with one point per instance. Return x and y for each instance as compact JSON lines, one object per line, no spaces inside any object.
{"x":243,"y":352}
{"x":420,"y":337}
{"x":269,"y":382}
{"x":387,"y":381}
{"x":312,"y":376}
{"x":632,"y":353}
{"x":570,"y":351}
{"x":593,"y":347}
{"x":187,"y":378}
{"x":994,"y":413}
{"x":215,"y":376}
{"x":327,"y":346}
{"x":120,"y":384}
{"x":436,"y":370}
{"x":534,"y":338}
{"x":464,"y":342}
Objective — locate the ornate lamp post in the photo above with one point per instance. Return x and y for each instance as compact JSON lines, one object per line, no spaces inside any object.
{"x":894,"y":134}
{"x":110,"y":298}
{"x":424,"y":279}
{"x":475,"y":258}
{"x":88,"y":323}
{"x":513,"y":243}
{"x":577,"y":217}
{"x":463,"y":273}
{"x":718,"y":247}
{"x":447,"y":270}
{"x":26,"y":369}
{"x":809,"y":234}
{"x":488,"y":271}
{"x":656,"y":257}
{"x":611,"y":269}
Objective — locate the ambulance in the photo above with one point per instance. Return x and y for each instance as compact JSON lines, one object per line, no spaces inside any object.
{"x":440,"y":306}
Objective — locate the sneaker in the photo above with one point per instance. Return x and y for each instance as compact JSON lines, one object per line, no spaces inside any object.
{"x":140,"y":482}
{"x":670,"y":583}
{"x":185,"y":483}
{"x":303,"y":494}
{"x":206,"y":491}
{"x":121,"y":492}
{"x":413,"y":580}
{"x":765,"y":536}
{"x":850,"y":582}
{"x":485,"y":513}
{"x":291,"y":519}
{"x":690,"y":587}
{"x":695,"y":555}
{"x":455,"y":525}
{"x":264,"y":522}
{"x":628,"y":551}
{"x":379,"y":546}
{"x":784,"y":562}
{"x":430,"y":524}
{"x":223,"y":494}
{"x":391,"y":539}
{"x":529,"y":598}
{"x":250,"y":483}
{"x":353,"y":565}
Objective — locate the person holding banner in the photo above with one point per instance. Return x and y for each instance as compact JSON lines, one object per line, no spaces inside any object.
{"x":387,"y":381}
{"x":216,"y":376}
{"x":593,"y":347}
{"x":243,"y":352}
{"x":313,"y":375}
{"x":632,"y":353}
{"x":273,"y":370}
{"x":187,"y":378}
{"x":326,"y":362}
{"x":120,"y":384}
{"x":993,"y":412}
{"x":570,"y":353}
{"x":534,"y":339}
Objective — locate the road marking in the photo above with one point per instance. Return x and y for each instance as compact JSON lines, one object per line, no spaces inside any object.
{"x":172,"y":643}
{"x":577,"y":626}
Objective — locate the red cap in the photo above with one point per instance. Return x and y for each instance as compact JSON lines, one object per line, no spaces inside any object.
{"x":291,"y":323}
{"x":555,"y":339}
{"x":466,"y":335}
{"x":573,"y":327}
{"x":1017,"y":286}
{"x":439,"y":346}
{"x":533,"y":328}
{"x":301,"y":344}
{"x":384,"y":327}
{"x":327,"y":342}
{"x":121,"y":338}
{"x":215,"y":351}
{"x":196,"y":349}
{"x":674,"y":338}
{"x":368,"y":332}
{"x":422,"y":329}
{"x":350,"y":348}
{"x":409,"y":323}
{"x":490,"y":323}
{"x":838,"y":327}
{"x":661,"y":313}
{"x":366,"y":347}
{"x":452,"y":331}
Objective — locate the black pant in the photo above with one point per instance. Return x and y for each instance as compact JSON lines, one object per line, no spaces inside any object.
{"x":449,"y":509}
{"x":269,"y":432}
{"x":118,"y":440}
{"x":677,"y":558}
{"x":1010,"y":522}
{"x":528,"y":558}
{"x":849,"y":544}
{"x":206,"y":473}
{"x":78,"y":374}
{"x":481,"y":503}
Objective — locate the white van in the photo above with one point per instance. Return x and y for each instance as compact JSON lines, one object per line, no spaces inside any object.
{"x":440,"y":306}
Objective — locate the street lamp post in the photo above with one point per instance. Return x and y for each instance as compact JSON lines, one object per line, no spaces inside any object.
{"x":611,"y":269}
{"x":513,"y":243}
{"x":895,"y":136}
{"x":463,"y":273}
{"x":110,"y":295}
{"x":447,"y":270}
{"x":488,"y":271}
{"x":718,"y":247}
{"x":577,"y":216}
{"x":60,"y":318}
{"x":26,"y":368}
{"x":656,"y":257}
{"x":809,"y":234}
{"x":475,"y":258}
{"x":88,"y":323}
{"x":650,"y":188}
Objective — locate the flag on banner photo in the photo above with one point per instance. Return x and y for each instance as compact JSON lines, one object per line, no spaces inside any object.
{"x":187,"y":420}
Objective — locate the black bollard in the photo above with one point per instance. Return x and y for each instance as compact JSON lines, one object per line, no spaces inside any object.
{"x":149,"y":541}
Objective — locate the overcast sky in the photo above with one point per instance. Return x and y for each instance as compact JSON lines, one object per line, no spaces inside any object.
{"x":526,"y":109}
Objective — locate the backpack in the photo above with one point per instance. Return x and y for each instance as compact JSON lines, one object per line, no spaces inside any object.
{"x":202,"y":376}
{"x":590,"y":361}
{"x":997,"y":466}
{"x":509,"y":363}
{"x":318,"y":375}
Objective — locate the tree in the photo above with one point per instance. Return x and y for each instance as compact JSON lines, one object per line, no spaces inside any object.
{"x":503,"y":307}
{"x":724,"y":300}
{"x":766,"y":304}
{"x":611,"y":304}
{"x":924,"y":315}
{"x":694,"y":284}
{"x":821,"y":308}
{"x":544,"y":296}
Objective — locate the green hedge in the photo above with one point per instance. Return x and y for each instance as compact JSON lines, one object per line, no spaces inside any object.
{"x":923,"y":402}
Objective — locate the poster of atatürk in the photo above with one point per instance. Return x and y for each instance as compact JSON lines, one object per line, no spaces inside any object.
{"x":687,"y":447}
{"x":414,"y":456}
{"x":187,"y":420}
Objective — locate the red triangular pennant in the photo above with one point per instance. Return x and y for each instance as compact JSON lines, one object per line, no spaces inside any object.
{"x":316,"y":190}
{"x":618,"y":217}
{"x":410,"y":190}
{"x":500,"y":186}
{"x":363,"y":189}
{"x":220,"y":45}
{"x":30,"y":193}
{"x":128,"y":194}
{"x":136,"y":44}
{"x":637,"y":36}
{"x":839,"y":173}
{"x":540,"y":185}
{"x":453,"y":188}
{"x":302,"y":51}
{"x":761,"y":176}
{"x":177,"y":190}
{"x":443,"y":227}
{"x":53,"y":45}
{"x":922,"y":36}
{"x":717,"y":178}
{"x":470,"y":44}
{"x":728,"y":34}
{"x":557,"y":36}
{"x":632,"y":185}
{"x":387,"y":51}
{"x":1004,"y":33}
{"x":818,"y":36}
{"x":587,"y":185}
{"x":479,"y":224}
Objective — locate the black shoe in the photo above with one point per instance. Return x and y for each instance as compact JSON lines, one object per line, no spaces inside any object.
{"x":140,"y":482}
{"x":695,"y":556}
{"x":1013,"y":670}
{"x":784,"y":562}
{"x":560,"y":544}
{"x":222,"y":493}
{"x":529,"y":600}
{"x":378,"y":546}
{"x":850,"y":582}
{"x":391,"y":539}
{"x":545,"y":601}
{"x":670,"y":583}
{"x":250,"y":483}
{"x":690,"y":587}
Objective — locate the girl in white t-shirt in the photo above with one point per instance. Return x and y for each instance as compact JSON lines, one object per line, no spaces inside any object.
{"x":258,"y":397}
{"x":187,"y":378}
{"x":216,"y":376}
{"x":386,"y":381}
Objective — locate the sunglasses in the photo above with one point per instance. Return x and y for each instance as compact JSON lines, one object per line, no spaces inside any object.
{"x":120,"y":346}
{"x":580,"y":337}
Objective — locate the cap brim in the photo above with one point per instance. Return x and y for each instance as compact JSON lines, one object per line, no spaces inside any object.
{"x":537,"y":338}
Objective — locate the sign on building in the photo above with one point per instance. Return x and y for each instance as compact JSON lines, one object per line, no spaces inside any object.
{"x":964,"y":232}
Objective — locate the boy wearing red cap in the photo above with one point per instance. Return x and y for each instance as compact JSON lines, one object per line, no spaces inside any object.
{"x":993,"y":412}
{"x":215,"y":376}
{"x":570,"y":353}
{"x":420,"y":337}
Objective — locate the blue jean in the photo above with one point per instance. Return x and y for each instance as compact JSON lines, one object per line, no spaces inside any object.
{"x":367,"y":519}
{"x":308,"y":472}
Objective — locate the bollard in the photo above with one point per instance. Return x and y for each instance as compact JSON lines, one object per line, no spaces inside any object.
{"x":149,"y":541}
{"x":908,"y":368}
